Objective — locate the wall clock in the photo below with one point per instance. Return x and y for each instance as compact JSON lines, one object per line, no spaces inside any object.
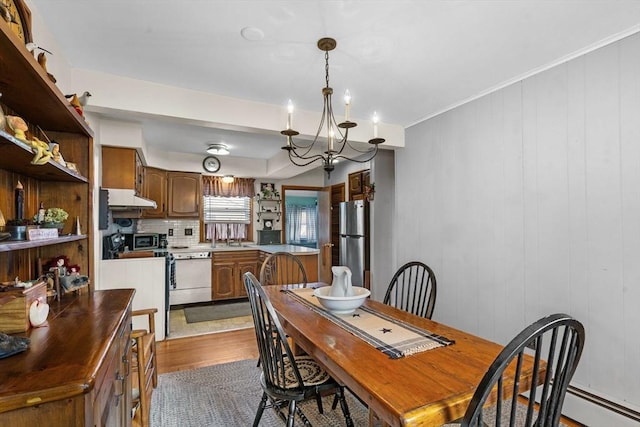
{"x":268,"y":224}
{"x":211,"y":164}
{"x":18,"y":16}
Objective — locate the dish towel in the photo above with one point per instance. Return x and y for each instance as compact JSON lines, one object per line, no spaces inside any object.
{"x":392,"y":336}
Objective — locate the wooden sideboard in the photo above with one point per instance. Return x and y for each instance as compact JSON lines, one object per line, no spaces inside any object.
{"x":76,"y":370}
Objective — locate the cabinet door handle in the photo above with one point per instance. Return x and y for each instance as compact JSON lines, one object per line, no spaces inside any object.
{"x":119,"y":387}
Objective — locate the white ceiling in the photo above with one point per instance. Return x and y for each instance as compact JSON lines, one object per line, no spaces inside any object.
{"x":406,"y":59}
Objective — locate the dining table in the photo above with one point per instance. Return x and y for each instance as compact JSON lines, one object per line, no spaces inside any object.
{"x":419,"y":388}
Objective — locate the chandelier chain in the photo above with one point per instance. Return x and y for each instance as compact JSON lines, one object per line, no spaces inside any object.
{"x":326,"y":67}
{"x":337,"y":136}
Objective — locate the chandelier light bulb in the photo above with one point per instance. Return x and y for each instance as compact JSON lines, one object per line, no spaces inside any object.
{"x":375,"y":119}
{"x":347,"y":105}
{"x":289,"y":114}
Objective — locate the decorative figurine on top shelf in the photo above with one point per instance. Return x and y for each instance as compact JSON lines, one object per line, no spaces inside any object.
{"x":18,"y":127}
{"x":79,"y":102}
{"x":54,"y":147}
{"x":42,"y":60}
{"x":41,"y":151}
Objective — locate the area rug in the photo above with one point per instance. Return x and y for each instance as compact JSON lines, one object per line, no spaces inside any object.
{"x":205,"y":313}
{"x":228,"y":395}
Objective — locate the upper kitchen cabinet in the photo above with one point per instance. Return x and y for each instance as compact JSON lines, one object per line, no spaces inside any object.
{"x":122,"y":168}
{"x":184,"y":194}
{"x":155,"y":188}
{"x":29,"y":93}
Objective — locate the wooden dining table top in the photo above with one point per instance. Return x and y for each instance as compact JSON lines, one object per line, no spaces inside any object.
{"x":429,"y":388}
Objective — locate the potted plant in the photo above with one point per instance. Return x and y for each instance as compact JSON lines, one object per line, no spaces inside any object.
{"x":55,"y":218}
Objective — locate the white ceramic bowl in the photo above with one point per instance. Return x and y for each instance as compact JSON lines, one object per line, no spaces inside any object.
{"x":341,"y":305}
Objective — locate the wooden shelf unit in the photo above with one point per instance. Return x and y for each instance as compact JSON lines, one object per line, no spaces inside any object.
{"x":28,"y":92}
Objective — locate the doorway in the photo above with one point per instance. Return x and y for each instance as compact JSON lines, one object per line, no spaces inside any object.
{"x":300,"y":216}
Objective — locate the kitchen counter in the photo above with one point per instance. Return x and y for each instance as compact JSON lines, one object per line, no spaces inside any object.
{"x":296,"y":250}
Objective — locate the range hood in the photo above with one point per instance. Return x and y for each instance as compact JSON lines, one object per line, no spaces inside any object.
{"x":124,"y":199}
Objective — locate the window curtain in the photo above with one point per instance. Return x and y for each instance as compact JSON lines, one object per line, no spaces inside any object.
{"x":302,"y":223}
{"x":240,"y":187}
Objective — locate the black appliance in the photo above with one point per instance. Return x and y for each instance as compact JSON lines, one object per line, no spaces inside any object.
{"x":112,"y":245}
{"x":162,"y":241}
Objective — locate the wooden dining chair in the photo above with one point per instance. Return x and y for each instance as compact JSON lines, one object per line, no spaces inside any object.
{"x":144,"y":368}
{"x":282,"y":268}
{"x":286,"y":379}
{"x":555,"y":342}
{"x":413,"y":289}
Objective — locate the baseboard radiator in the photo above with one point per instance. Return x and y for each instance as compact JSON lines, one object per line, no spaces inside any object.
{"x":604,"y":403}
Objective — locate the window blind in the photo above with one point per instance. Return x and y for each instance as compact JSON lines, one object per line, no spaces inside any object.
{"x":230,"y":210}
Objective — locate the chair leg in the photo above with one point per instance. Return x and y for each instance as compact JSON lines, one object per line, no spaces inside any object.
{"x":319,"y":400}
{"x":292,"y":413}
{"x":334,"y":405}
{"x":263,"y":404}
{"x":344,"y":406}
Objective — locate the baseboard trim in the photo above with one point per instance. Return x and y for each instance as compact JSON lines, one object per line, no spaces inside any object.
{"x":604,"y":403}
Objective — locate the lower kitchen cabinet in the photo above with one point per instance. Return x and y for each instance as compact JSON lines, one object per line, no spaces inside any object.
{"x":227,"y":273}
{"x":76,"y":370}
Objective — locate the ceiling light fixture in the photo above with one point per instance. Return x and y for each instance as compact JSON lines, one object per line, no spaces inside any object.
{"x":218,"y":149}
{"x":301,"y":154}
{"x":228,"y":179}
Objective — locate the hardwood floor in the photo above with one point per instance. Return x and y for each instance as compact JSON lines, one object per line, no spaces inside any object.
{"x":205,"y":350}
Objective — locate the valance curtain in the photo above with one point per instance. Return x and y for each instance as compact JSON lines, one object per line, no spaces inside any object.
{"x":240,"y":187}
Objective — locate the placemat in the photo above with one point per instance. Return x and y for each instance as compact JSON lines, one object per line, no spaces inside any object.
{"x":393,"y":337}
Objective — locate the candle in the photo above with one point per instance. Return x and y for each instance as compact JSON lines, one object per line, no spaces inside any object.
{"x":289,"y":114}
{"x":375,"y":124}
{"x":19,"y":200}
{"x":347,"y":104}
{"x":331,"y":135}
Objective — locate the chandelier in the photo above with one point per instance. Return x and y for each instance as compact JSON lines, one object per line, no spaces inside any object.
{"x":336,"y":134}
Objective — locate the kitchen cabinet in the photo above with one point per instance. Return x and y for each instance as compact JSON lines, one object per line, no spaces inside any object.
{"x":76,"y":370}
{"x":183,"y":194}
{"x":122,"y":168}
{"x":227,"y":273}
{"x":27,"y":92}
{"x":155,"y":188}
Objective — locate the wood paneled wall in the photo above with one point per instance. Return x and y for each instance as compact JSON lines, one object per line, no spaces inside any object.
{"x":526,"y":202}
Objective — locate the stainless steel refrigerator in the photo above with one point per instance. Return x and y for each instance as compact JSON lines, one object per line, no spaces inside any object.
{"x":354,"y":239}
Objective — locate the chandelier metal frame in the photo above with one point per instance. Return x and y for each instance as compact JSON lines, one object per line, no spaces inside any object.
{"x":337,"y":134}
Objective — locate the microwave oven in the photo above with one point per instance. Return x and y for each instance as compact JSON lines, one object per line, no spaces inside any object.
{"x":142,"y":241}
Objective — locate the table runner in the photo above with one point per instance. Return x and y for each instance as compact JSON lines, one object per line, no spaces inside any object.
{"x":392,"y":336}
